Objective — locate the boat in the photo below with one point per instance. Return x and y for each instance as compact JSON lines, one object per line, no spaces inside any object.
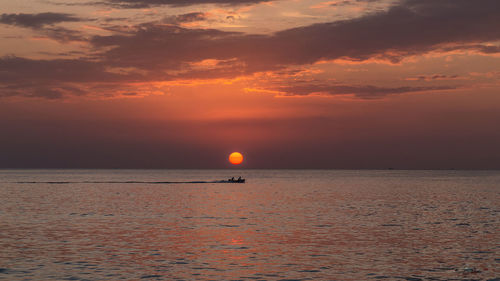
{"x":233,"y":180}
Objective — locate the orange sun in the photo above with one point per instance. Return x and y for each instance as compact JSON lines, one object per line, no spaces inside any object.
{"x":235,"y":158}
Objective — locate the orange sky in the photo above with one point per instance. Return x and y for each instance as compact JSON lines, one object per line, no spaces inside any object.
{"x":290,"y":84}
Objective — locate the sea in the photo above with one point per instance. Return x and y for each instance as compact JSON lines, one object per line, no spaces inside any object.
{"x":279,"y":225}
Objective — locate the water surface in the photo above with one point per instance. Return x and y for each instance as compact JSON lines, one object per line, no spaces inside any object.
{"x":281,"y":224}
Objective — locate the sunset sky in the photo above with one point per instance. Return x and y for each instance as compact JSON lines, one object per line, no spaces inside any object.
{"x":410,"y":84}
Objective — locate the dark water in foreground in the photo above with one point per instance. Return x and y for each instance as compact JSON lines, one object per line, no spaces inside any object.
{"x":301,"y":225}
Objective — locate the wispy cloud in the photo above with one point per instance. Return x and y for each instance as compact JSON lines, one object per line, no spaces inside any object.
{"x":433,"y":77}
{"x":185,"y":18}
{"x":141,"y":4}
{"x":37,"y":20}
{"x":44,"y":24}
{"x":358,"y":91}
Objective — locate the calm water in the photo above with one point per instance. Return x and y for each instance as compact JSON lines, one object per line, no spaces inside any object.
{"x":301,"y":225}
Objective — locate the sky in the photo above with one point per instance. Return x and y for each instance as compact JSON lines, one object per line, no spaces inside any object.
{"x":342,"y":84}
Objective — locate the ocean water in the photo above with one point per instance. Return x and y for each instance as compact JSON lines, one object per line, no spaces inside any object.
{"x":280,"y":225}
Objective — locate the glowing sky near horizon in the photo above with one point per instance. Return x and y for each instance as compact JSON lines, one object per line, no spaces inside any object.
{"x":291,"y":83}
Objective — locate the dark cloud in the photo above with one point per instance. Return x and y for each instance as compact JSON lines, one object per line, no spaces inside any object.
{"x":137,"y":4}
{"x":37,"y":20}
{"x":43,"y":24}
{"x":168,"y":47}
{"x":64,"y":35}
{"x":350,"y":2}
{"x":359,"y":91}
{"x":39,"y":91}
{"x":434,"y":77}
{"x":409,"y":28}
{"x":185,"y":18}
{"x":16,"y":69}
{"x":57,"y":78}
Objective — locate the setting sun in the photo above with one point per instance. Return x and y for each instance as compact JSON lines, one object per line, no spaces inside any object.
{"x":236,"y":158}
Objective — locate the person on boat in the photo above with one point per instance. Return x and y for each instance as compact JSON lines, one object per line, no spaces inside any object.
{"x":232,"y":179}
{"x":239,"y":179}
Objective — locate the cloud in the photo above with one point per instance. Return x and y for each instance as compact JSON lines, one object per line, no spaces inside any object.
{"x":57,"y":78}
{"x":409,"y":28}
{"x":359,"y":91}
{"x":64,"y":35}
{"x":138,"y":4}
{"x":348,"y":2}
{"x":37,"y":20}
{"x":40,"y":91}
{"x":480,"y":48}
{"x":167,"y":48}
{"x":341,"y":3}
{"x":16,"y":69}
{"x":43,"y":24}
{"x":166,"y":52}
{"x":185,"y":18}
{"x":433,"y":77}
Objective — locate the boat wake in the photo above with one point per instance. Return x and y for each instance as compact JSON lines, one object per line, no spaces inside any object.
{"x":125,"y":182}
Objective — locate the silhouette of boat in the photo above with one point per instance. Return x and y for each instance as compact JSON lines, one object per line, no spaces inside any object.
{"x":233,"y":181}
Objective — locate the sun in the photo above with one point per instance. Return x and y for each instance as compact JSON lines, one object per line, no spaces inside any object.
{"x":236,"y":158}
